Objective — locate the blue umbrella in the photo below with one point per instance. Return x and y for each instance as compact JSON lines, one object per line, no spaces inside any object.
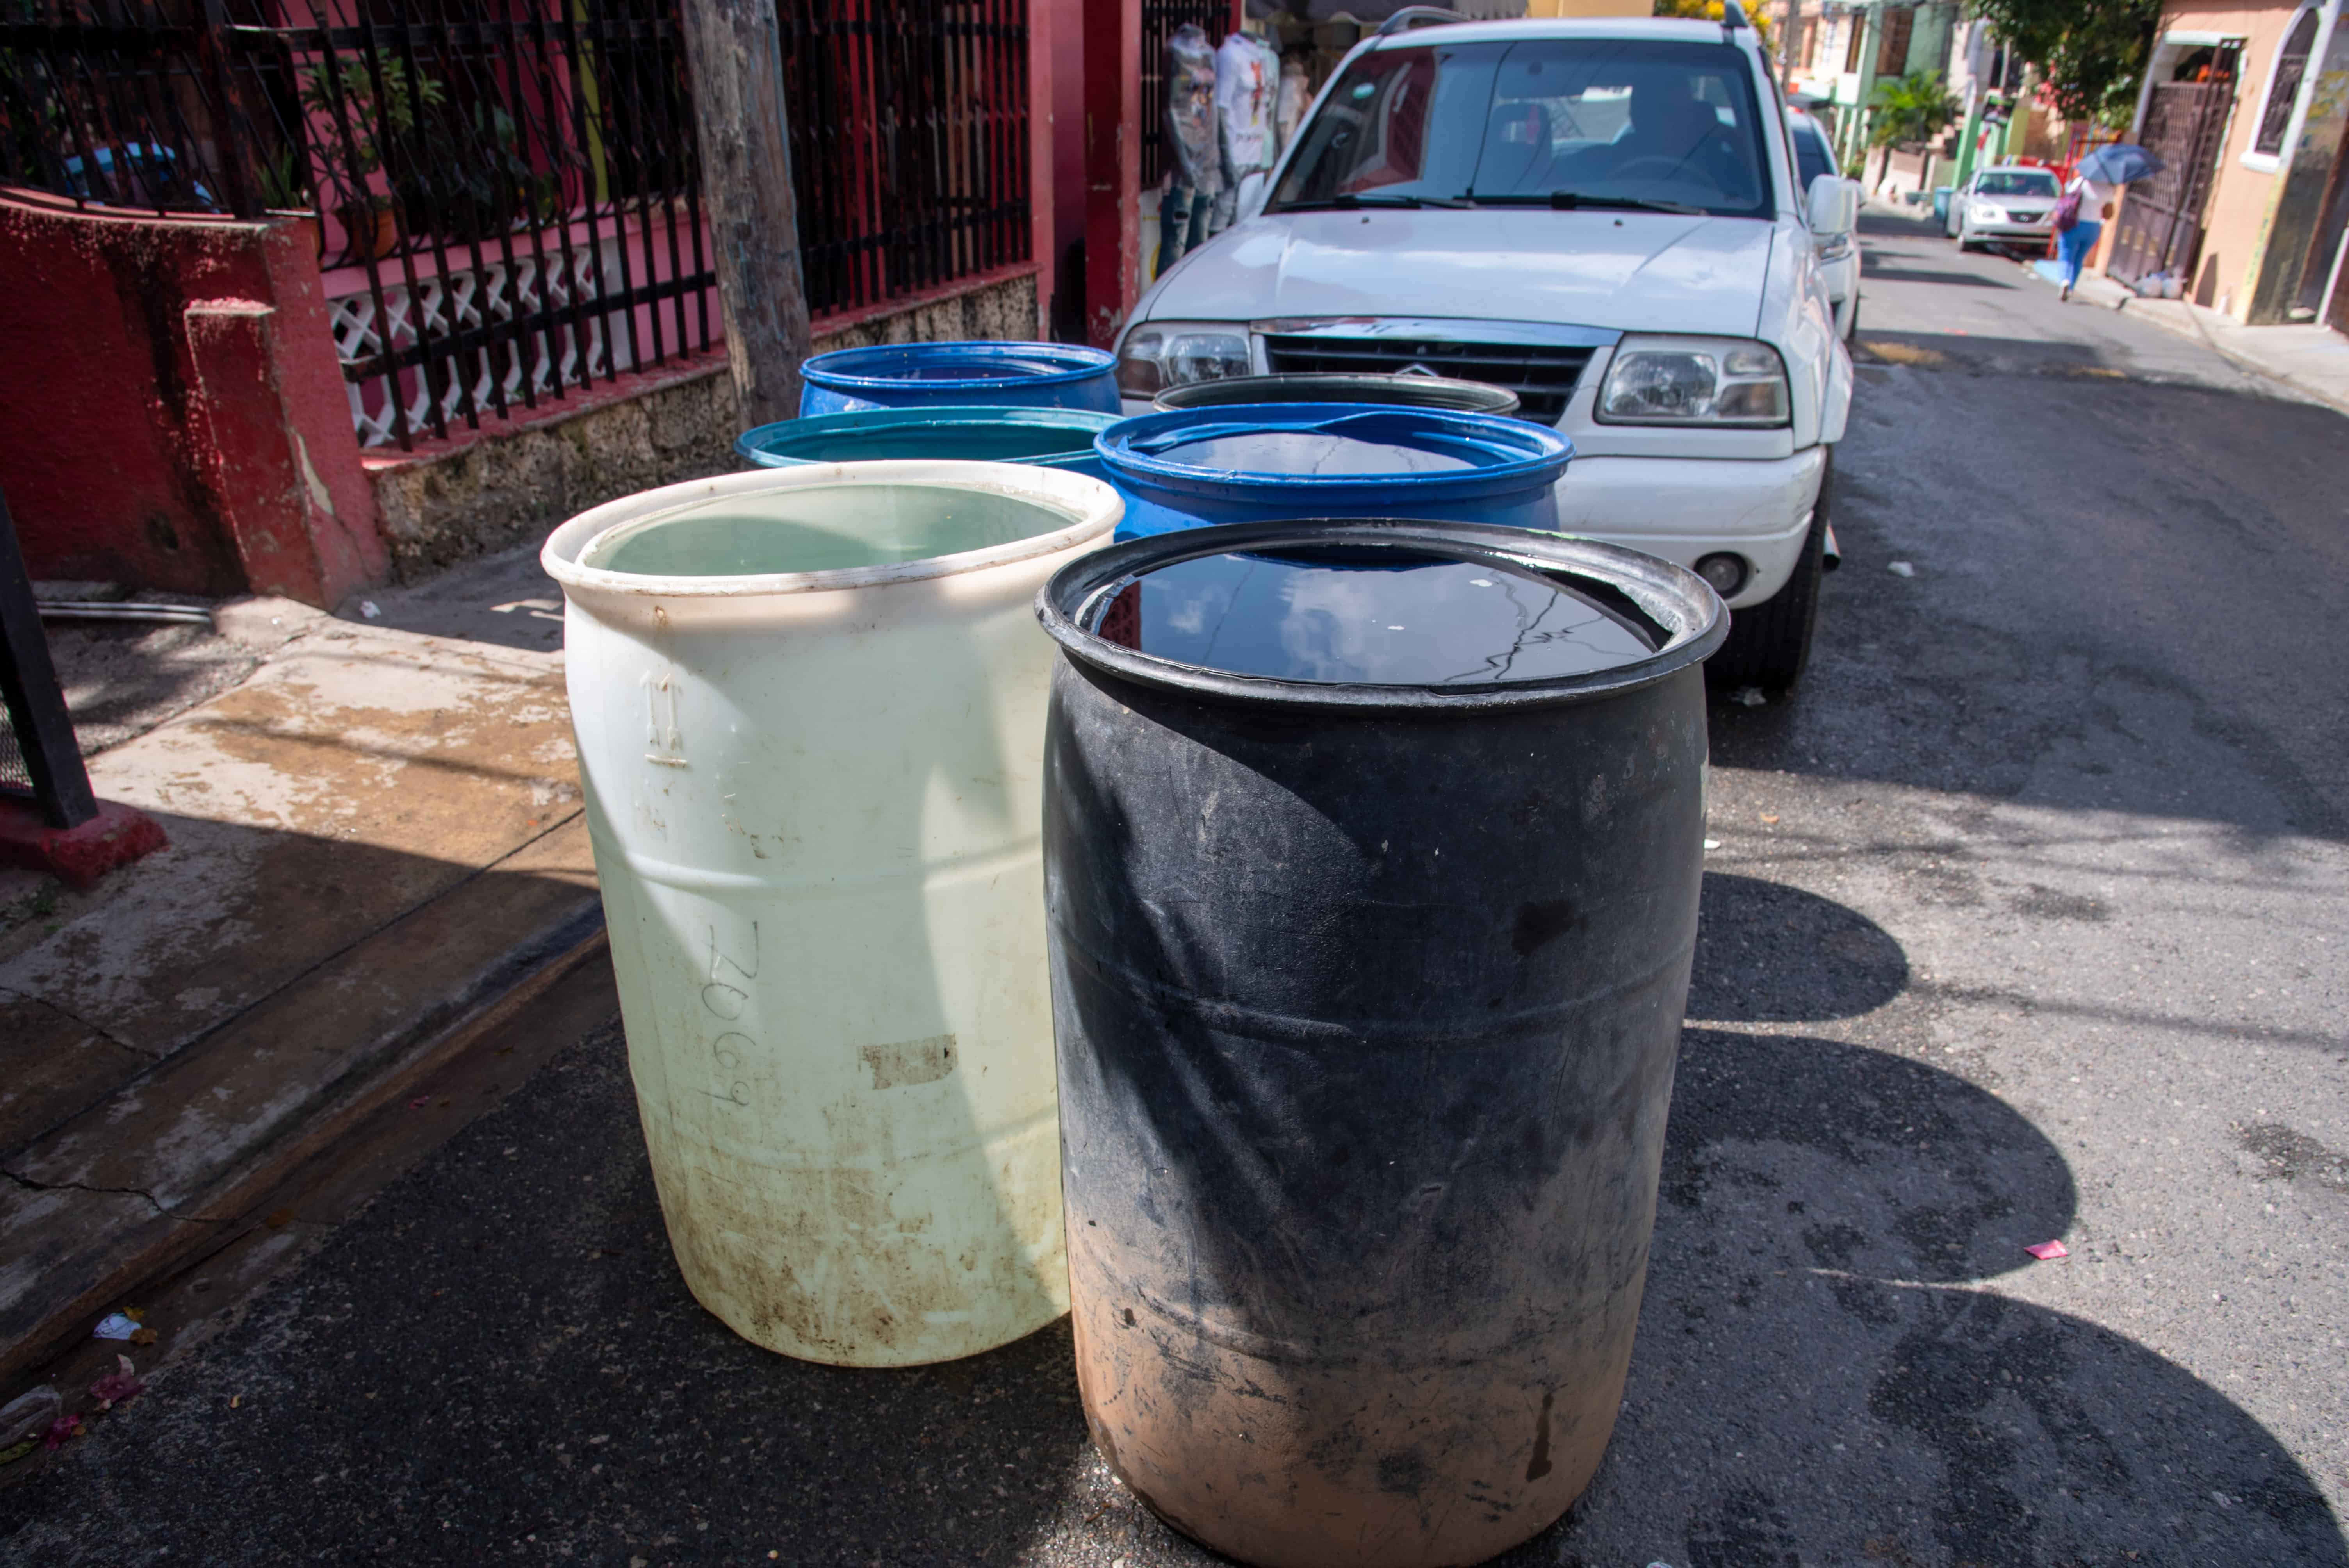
{"x":2119,"y":163}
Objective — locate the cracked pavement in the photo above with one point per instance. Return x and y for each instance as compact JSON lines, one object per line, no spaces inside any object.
{"x":2024,"y":925}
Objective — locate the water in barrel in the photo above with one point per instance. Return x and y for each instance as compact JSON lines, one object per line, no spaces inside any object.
{"x":1368,"y":617}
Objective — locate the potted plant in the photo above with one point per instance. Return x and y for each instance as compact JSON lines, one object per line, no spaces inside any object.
{"x":478,"y":183}
{"x":345,"y":99}
{"x":286,"y":191}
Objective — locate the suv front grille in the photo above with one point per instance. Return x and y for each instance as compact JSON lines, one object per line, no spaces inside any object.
{"x":1541,"y":375}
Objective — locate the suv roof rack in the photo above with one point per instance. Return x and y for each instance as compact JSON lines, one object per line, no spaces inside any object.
{"x":1411,"y":16}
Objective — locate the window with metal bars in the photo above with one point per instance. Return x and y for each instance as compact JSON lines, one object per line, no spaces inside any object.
{"x":2283,"y":85}
{"x":1899,"y":26}
{"x":909,"y":134}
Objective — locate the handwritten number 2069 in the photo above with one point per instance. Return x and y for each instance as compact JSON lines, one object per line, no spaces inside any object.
{"x":728,"y":1001}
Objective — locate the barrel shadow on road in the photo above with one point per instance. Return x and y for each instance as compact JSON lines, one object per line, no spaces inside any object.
{"x":1816,"y":1378}
{"x":1816,"y":1382}
{"x":1766,"y":952}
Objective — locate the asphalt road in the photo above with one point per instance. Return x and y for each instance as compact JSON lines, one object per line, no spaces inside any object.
{"x":2024,"y":924}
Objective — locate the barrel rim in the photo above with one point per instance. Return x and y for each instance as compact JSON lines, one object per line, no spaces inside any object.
{"x":1505,"y":403}
{"x":1546,"y":464}
{"x":1082,"y":363}
{"x":1090,"y":421}
{"x":1092,"y":508}
{"x":1669,"y":593}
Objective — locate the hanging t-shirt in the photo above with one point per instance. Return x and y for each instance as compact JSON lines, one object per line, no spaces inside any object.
{"x":1243,"y":88}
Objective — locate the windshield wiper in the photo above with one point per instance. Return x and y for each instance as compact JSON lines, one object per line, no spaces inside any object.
{"x":1371,"y":199}
{"x":1567,"y":200}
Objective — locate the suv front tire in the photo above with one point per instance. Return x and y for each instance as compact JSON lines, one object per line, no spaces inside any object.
{"x":1769,"y":644}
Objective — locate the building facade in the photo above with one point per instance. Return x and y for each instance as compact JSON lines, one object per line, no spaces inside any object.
{"x":1841,"y":50}
{"x":2250,"y":106}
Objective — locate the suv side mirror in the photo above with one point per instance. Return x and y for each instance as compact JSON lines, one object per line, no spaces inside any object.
{"x":1832,"y":205}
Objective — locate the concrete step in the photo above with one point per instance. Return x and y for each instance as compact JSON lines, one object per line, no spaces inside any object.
{"x":377,"y":853}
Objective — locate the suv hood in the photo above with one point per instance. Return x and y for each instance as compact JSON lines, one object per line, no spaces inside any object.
{"x":1633,"y":272}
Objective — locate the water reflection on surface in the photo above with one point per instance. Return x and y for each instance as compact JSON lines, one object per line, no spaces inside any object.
{"x":1372,"y":617}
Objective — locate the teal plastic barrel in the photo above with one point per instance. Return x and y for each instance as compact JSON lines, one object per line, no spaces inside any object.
{"x":1041,"y":438}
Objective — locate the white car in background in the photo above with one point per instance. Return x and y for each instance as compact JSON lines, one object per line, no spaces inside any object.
{"x":1604,"y":215}
{"x":2011,"y":204}
{"x":1839,"y":253}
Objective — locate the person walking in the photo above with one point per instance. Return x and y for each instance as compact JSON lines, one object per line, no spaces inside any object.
{"x":2080,"y":218}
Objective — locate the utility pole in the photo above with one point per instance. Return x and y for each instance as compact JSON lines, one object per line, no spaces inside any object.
{"x":1786,"y":44}
{"x":734,"y":50}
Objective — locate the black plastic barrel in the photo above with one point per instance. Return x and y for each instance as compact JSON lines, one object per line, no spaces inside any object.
{"x":1371,"y":859}
{"x":1403,"y":391}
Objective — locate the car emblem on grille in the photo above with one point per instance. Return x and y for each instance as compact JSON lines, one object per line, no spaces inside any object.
{"x":1419,"y":370}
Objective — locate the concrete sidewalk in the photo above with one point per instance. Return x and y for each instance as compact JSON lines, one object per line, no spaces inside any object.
{"x":377,"y":849}
{"x":2312,"y":360}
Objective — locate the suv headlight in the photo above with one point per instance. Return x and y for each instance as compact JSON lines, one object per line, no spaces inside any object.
{"x":1694,"y":381}
{"x":1157,"y":355}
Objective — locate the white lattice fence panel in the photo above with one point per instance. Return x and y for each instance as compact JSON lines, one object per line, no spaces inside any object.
{"x":442,"y":306}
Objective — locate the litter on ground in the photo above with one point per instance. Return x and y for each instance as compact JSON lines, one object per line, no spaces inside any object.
{"x":118,"y":1386}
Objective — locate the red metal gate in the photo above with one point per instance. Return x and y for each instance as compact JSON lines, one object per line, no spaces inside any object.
{"x":2161,"y":221}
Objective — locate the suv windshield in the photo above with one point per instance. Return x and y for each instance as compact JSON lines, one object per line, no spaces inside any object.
{"x":1600,"y":122}
{"x":2015,"y":183}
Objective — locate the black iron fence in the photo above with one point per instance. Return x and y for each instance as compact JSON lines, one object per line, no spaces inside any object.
{"x":39,"y":759}
{"x":910,"y":142}
{"x":504,"y":194}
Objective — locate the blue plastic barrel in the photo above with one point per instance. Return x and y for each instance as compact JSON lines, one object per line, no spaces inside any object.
{"x":960,"y":375}
{"x":1263,"y":462}
{"x":1041,"y":438}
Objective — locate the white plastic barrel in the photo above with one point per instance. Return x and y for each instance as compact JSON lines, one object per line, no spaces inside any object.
{"x":810,"y":708}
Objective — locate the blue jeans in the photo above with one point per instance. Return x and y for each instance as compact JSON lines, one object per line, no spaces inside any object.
{"x":2072,"y":248}
{"x":1183,"y":223}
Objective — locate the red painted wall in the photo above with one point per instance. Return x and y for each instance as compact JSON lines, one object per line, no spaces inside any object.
{"x":1063,"y":25}
{"x":173,"y":414}
{"x":1113,"y":143}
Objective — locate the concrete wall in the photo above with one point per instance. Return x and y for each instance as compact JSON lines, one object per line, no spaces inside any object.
{"x":448,"y":502}
{"x":173,"y":414}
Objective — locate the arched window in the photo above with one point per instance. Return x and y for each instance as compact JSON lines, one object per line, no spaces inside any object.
{"x":2283,"y":84}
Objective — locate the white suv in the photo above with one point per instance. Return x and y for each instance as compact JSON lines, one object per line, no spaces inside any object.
{"x":1603,"y":215}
